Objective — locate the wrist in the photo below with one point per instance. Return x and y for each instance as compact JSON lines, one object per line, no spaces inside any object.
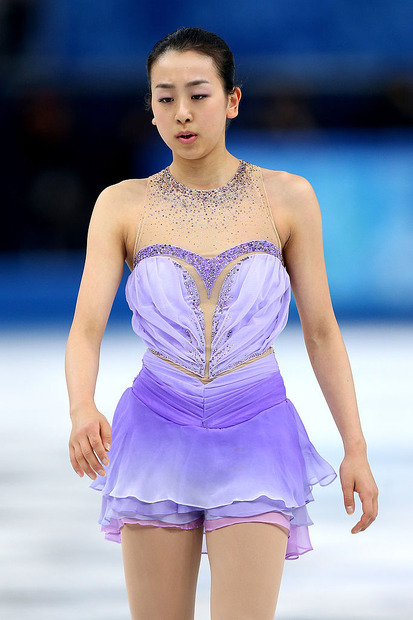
{"x":81,"y":408}
{"x":355,"y":448}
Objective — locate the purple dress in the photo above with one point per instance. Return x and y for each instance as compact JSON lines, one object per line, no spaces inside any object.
{"x":206,"y":428}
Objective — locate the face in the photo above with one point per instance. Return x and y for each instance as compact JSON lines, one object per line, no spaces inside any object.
{"x":188,"y":96}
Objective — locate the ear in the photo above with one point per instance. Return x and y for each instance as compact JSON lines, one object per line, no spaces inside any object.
{"x":153,"y":121}
{"x":233,"y":103}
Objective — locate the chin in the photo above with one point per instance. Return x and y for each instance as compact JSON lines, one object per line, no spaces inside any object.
{"x":187,"y":155}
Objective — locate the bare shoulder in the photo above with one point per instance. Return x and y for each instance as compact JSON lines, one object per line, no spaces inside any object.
{"x":286,"y":187}
{"x":118,"y":212}
{"x":121,"y":205}
{"x":122,"y":196}
{"x":132,"y":188}
{"x":291,"y":198}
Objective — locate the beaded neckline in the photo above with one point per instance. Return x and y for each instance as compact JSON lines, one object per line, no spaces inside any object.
{"x":175,"y":184}
{"x":209,"y":268}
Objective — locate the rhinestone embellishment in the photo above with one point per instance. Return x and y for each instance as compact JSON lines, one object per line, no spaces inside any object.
{"x":205,"y":337}
{"x":208,"y":268}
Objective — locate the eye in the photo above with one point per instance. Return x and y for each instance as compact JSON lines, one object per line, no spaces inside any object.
{"x":198,"y":96}
{"x":164,"y":99}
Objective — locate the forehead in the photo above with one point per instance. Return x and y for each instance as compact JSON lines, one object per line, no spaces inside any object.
{"x":175,"y":66}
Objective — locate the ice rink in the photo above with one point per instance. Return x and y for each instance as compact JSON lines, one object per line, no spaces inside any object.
{"x":55,"y":563}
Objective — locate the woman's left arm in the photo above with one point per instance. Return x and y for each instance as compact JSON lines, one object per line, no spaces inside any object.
{"x":304,"y":258}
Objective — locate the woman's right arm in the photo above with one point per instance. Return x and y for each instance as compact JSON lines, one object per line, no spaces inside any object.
{"x":102,"y":273}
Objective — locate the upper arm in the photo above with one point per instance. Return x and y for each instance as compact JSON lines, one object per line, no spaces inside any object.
{"x":304,"y":257}
{"x":104,"y":262}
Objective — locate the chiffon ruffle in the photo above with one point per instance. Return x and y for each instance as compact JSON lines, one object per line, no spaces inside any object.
{"x":182,"y":450}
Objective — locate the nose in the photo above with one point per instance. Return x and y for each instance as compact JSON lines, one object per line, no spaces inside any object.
{"x":183,"y":113}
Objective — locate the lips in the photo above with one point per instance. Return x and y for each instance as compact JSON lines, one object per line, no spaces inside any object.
{"x":186,"y":137}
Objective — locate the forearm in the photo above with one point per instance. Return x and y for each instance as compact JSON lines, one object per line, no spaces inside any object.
{"x":81,"y":366}
{"x":329,"y":359}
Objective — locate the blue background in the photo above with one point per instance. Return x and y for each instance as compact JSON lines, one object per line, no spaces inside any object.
{"x":362,"y":175}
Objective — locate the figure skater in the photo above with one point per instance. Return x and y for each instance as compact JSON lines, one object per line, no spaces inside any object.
{"x":207,"y":453}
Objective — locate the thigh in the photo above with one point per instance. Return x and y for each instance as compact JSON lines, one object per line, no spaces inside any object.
{"x":161,"y":566}
{"x":246,"y":561}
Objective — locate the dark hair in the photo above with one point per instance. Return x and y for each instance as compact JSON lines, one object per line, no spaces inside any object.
{"x":203,"y":42}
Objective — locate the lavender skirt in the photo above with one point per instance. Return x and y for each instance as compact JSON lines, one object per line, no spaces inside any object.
{"x":235,"y":447}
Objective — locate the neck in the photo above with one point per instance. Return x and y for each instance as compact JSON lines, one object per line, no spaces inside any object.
{"x":208,"y":172}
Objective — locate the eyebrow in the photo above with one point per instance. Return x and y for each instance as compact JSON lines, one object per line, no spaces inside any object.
{"x":193,"y":83}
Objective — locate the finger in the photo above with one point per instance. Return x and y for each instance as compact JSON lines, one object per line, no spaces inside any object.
{"x":362,"y":524}
{"x":74,"y":462}
{"x":368,"y":510}
{"x":374,"y":511}
{"x":91,"y":430}
{"x":91,"y":458}
{"x":84,"y":464}
{"x":375,"y":506}
{"x":97,"y":445}
{"x":88,"y":460}
{"x":367,"y":516}
{"x":348,"y":493}
{"x":106,"y":434}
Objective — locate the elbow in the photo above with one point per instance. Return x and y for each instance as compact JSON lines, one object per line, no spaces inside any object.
{"x":320,"y":333}
{"x":88,"y":331}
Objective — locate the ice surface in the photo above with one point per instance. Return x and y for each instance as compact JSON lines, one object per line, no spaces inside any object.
{"x":54,"y":562}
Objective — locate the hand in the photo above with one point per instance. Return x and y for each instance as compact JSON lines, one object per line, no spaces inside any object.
{"x":355,"y":475}
{"x":91,"y":433}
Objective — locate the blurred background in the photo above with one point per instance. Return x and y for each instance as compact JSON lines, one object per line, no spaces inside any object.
{"x":327,"y":94}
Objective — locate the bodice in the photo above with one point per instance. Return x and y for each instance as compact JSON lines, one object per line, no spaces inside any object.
{"x":209,"y":315}
{"x":209,"y":290}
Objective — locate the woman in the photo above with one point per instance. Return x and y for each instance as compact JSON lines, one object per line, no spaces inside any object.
{"x":208,"y":453}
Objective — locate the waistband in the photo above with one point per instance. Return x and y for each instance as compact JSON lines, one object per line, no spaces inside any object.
{"x":228,"y":400}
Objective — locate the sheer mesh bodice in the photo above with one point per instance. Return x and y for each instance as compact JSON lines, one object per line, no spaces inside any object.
{"x":208,"y":291}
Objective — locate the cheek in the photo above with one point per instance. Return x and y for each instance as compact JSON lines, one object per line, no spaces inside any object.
{"x":161,"y":111}
{"x":164,"y":120}
{"x":214,"y":115}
